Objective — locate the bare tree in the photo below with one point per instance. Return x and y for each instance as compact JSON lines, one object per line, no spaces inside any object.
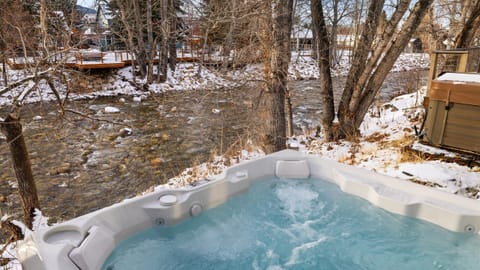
{"x":164,"y":35}
{"x":173,"y":6}
{"x":31,"y":34}
{"x":322,"y":49}
{"x":373,"y":57}
{"x":140,"y":49}
{"x":470,"y":21}
{"x":338,"y":11}
{"x":151,"y":41}
{"x":149,"y":29}
{"x":272,"y":101}
{"x":3,"y":47}
{"x":12,"y":129}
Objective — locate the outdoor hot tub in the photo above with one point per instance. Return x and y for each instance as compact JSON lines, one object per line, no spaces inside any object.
{"x":87,"y":241}
{"x":453,"y":119}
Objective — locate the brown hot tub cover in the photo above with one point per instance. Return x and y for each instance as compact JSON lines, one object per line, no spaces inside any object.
{"x":461,"y":88}
{"x":453,"y":119}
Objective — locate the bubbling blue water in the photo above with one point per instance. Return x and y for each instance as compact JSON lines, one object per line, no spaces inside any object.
{"x":297,"y":224}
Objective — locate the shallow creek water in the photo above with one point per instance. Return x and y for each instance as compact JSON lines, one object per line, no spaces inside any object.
{"x":81,"y":164}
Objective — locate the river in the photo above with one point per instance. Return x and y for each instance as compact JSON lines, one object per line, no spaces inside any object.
{"x":81,"y":164}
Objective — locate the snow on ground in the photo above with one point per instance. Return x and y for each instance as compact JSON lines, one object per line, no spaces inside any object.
{"x":384,"y":133}
{"x":206,"y":171}
{"x":185,"y":77}
{"x":10,"y":252}
{"x":303,"y":67}
{"x":188,"y":77}
{"x":383,"y":147}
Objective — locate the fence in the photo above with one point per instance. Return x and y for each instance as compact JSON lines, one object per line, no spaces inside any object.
{"x":460,"y":60}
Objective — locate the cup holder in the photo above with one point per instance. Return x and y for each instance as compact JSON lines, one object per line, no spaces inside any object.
{"x":168,"y":199}
{"x":63,"y":235}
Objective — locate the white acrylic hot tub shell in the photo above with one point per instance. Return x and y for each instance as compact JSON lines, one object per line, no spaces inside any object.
{"x":85,"y":242}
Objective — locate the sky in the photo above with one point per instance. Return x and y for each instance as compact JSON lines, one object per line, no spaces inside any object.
{"x":86,"y":3}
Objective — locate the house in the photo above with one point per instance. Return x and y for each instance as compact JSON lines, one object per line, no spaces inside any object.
{"x":415,"y":45}
{"x":301,"y":39}
{"x":95,"y":28}
{"x":89,"y":19}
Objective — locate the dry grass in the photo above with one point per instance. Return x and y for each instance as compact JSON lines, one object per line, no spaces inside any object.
{"x":4,"y":261}
{"x":410,"y":156}
{"x":406,"y":140}
{"x":426,"y":183}
{"x":376,"y":137}
{"x":472,"y":192}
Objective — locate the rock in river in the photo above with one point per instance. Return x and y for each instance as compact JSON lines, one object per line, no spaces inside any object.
{"x":109,"y":109}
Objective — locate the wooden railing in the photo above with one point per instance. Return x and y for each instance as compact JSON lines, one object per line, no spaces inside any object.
{"x":464,"y":60}
{"x":89,"y":56}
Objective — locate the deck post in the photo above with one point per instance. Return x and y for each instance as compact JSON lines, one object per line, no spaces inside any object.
{"x":433,"y":70}
{"x":462,"y":63}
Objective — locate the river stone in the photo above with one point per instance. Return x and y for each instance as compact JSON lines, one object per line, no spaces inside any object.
{"x":157,"y":161}
{"x":137,"y":99}
{"x":122,"y":167}
{"x":110,"y":109}
{"x":165,"y":137}
{"x":95,"y":107}
{"x":105,"y":166}
{"x":124,"y":132}
{"x":63,"y":168}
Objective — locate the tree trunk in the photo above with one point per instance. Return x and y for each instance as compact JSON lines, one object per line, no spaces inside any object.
{"x":289,"y":112}
{"x":172,"y":37}
{"x":373,"y":57}
{"x":3,"y":48}
{"x":314,"y":44}
{"x":365,"y":85}
{"x":382,"y":42}
{"x":466,"y":35}
{"x":333,"y":34}
{"x":44,"y":27}
{"x":323,"y":54}
{"x":360,"y":56}
{"x":12,"y":129}
{"x":229,"y":38}
{"x":204,"y":48}
{"x":357,"y":15}
{"x":4,"y":70}
{"x":164,"y":36}
{"x":141,"y":55}
{"x":150,"y":41}
{"x":123,"y":8}
{"x":272,"y":101}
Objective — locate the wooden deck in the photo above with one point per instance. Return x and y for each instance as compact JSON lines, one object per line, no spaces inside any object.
{"x":84,"y":60}
{"x":17,"y":65}
{"x":98,"y":60}
{"x":86,"y":65}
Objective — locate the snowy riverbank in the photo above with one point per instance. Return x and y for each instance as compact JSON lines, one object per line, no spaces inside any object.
{"x":386,"y":146}
{"x":385,"y":133}
{"x":188,"y":77}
